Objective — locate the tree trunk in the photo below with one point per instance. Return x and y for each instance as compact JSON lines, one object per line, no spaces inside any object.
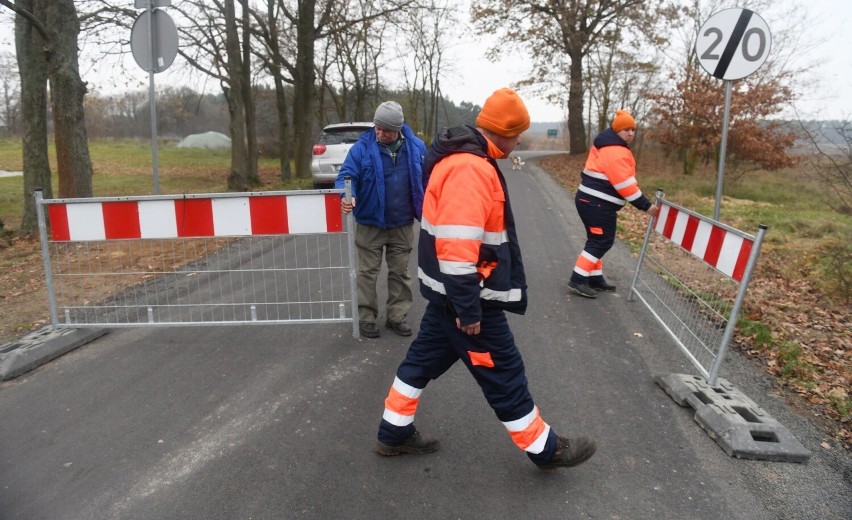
{"x":32,"y":67}
{"x":576,"y":130}
{"x":303,"y":87}
{"x":238,"y":179}
{"x":283,"y":128}
{"x":277,"y":62}
{"x":67,"y":91}
{"x":248,"y":100}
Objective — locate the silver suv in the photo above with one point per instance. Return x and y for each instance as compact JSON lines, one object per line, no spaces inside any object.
{"x":332,"y":146}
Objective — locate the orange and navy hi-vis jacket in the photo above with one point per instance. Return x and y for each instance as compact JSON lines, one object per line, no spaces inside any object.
{"x":468,"y":251}
{"x":610,"y":173}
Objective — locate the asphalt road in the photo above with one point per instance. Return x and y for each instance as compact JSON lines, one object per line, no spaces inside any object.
{"x":278,"y":422}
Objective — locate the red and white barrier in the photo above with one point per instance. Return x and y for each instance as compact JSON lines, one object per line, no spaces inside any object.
{"x":195,"y":217}
{"x":719,"y":247}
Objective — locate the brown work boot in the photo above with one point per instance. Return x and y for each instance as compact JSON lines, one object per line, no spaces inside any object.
{"x":571,"y":452}
{"x":417,"y":444}
{"x":400,"y":327}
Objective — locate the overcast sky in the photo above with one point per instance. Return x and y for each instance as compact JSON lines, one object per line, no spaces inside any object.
{"x":475,"y":78}
{"x":832,"y":97}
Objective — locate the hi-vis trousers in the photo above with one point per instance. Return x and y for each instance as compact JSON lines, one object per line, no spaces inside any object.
{"x":600,"y":219}
{"x":495,"y":363}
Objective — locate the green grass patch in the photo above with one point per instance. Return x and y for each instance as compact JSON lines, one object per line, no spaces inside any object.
{"x":124,"y":168}
{"x":792,"y":364}
{"x":759,"y":332}
{"x":792,"y":203}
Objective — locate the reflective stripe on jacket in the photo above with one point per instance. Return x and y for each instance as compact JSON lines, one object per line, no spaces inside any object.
{"x":610,"y":172}
{"x":468,"y":251}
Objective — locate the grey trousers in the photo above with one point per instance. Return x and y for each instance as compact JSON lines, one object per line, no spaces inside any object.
{"x":395,"y":245}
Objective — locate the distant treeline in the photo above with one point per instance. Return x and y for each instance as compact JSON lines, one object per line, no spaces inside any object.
{"x":183,"y":111}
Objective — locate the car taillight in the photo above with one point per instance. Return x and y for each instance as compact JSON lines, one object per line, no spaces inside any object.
{"x":318,"y":149}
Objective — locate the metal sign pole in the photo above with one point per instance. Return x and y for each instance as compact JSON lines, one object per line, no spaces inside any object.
{"x":723,"y":148}
{"x":732,"y":44}
{"x":152,"y":98}
{"x":154,"y":48}
{"x":353,"y":259}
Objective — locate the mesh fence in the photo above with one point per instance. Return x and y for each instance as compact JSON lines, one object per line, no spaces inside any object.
{"x":201,"y":259}
{"x":692,"y":275}
{"x":692,"y":300}
{"x":293,"y":278}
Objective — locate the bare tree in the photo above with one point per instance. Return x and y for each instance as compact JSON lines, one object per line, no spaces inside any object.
{"x":240,"y":101}
{"x":426,"y":32}
{"x":32,"y":64}
{"x":218,"y":44}
{"x":46,"y":46}
{"x":832,"y":162}
{"x":10,"y":91}
{"x":552,"y":31}
{"x":67,"y":93}
{"x":348,"y":70}
{"x":277,"y":56}
{"x":620,"y":77}
{"x":313,"y":22}
{"x":687,"y":111}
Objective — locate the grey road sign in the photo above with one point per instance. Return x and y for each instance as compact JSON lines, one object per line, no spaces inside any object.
{"x":164,"y":41}
{"x":733,"y":43}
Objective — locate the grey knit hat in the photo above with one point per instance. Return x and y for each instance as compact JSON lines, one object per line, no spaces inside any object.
{"x":389,"y":116}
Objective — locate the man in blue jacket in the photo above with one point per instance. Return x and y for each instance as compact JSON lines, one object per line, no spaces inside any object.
{"x":386,"y":170}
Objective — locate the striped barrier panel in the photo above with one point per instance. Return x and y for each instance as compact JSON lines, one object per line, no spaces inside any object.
{"x":231,"y":258}
{"x":699,"y":308}
{"x":194,"y":216}
{"x":719,"y":246}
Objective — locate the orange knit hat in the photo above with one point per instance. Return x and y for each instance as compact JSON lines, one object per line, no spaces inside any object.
{"x":623,"y":120}
{"x":504,"y":113}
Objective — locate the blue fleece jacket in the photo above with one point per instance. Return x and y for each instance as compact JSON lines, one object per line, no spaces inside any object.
{"x":368,"y":170}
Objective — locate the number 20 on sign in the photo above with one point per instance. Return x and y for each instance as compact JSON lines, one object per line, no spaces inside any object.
{"x":733,"y":43}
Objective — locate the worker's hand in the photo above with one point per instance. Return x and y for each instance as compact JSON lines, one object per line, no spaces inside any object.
{"x":347,"y":206}
{"x":654,"y":211}
{"x":473,"y":328}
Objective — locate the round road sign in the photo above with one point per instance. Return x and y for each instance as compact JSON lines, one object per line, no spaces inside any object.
{"x":165,"y":41}
{"x":733,"y":43}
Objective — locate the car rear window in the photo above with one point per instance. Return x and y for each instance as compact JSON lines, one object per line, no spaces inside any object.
{"x":342,"y":135}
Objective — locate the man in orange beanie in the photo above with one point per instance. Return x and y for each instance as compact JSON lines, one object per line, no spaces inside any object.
{"x":471,"y":272}
{"x":608,"y":182}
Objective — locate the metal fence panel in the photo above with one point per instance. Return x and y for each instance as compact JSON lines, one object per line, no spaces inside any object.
{"x":282,"y":257}
{"x":692,"y":275}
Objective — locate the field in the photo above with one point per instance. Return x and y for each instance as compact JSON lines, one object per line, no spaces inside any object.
{"x":796,"y":320}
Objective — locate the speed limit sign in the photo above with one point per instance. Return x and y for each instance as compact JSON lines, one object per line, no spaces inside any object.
{"x":733,"y":43}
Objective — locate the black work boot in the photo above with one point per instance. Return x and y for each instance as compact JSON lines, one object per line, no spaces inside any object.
{"x":571,"y":452}
{"x":602,"y":286}
{"x":417,"y":444}
{"x":369,"y":329}
{"x":582,"y":289}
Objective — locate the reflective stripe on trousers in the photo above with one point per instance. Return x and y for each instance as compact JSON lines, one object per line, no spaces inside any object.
{"x":495,"y":363}
{"x":600,"y":221}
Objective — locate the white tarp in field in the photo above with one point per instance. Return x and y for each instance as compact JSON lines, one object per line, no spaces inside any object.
{"x":205,"y":140}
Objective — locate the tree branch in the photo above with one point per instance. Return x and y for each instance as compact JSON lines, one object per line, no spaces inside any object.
{"x":29,"y":16}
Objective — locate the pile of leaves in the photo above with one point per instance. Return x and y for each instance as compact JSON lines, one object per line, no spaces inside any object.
{"x":791,"y":328}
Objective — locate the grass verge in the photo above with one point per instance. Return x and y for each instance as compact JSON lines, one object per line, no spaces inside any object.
{"x":797,"y":317}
